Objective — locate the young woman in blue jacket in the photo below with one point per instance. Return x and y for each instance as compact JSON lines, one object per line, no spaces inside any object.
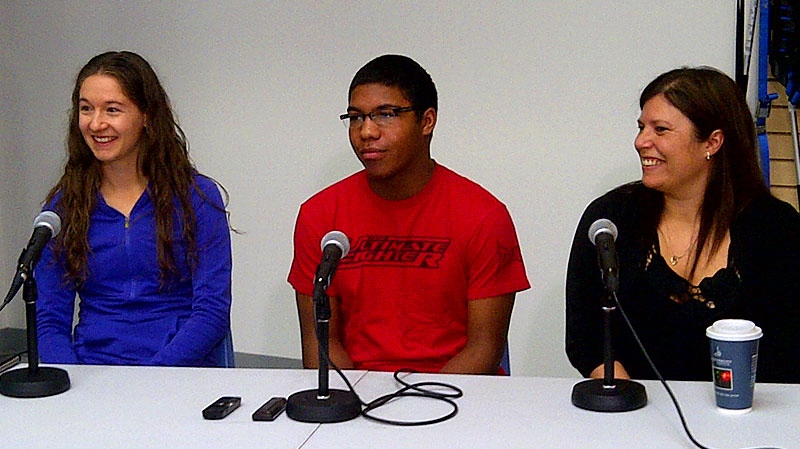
{"x":145,"y":244}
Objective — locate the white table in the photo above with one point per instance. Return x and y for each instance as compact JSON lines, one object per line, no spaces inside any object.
{"x":149,"y":407}
{"x":527,"y":412}
{"x":153,"y":407}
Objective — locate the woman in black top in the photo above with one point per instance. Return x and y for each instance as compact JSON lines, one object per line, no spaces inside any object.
{"x":700,"y":239}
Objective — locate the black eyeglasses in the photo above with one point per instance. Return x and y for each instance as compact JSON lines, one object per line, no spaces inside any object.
{"x":381,"y":117}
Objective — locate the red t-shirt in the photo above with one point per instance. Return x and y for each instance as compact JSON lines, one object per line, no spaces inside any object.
{"x":412,"y":266}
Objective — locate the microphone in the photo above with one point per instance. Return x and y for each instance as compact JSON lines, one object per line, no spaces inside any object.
{"x":602,"y":234}
{"x":46,"y":226}
{"x":335,"y":245}
{"x":608,"y":394}
{"x":35,"y":381}
{"x":325,"y":405}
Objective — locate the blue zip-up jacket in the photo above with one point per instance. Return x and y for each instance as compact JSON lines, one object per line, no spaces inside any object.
{"x":126,"y":317}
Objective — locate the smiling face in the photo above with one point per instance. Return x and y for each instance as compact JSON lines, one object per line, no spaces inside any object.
{"x":111,"y":124}
{"x":673,"y":160}
{"x":397,"y":153}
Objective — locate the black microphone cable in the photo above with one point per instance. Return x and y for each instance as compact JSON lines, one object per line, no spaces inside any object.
{"x":417,"y":389}
{"x":661,"y":378}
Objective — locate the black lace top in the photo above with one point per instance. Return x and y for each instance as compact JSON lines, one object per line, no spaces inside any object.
{"x":722,"y":288}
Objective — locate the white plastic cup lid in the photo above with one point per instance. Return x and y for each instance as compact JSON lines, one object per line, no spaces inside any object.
{"x":734,"y":330}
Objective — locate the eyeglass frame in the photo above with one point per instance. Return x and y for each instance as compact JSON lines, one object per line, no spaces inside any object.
{"x":372,"y":115}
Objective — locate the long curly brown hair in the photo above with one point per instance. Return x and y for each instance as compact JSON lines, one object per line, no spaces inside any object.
{"x":163,"y":159}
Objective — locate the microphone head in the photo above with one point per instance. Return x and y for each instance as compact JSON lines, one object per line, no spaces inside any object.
{"x":336,"y":238}
{"x":49,"y":219}
{"x":602,"y":226}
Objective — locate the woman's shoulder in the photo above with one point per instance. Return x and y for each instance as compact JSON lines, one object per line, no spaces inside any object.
{"x":206,"y":188}
{"x":631,"y":207}
{"x":769,"y":216}
{"x":620,"y":201}
{"x":771,"y":205}
{"x":204,"y":181}
{"x":53,"y":203}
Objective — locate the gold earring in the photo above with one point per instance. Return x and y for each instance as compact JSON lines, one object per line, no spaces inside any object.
{"x":708,"y":155}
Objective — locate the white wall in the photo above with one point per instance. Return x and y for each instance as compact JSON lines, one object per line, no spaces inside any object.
{"x":11,"y":239}
{"x":538,"y":102}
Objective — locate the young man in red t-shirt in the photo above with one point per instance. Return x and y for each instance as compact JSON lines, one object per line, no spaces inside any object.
{"x":434,"y":265}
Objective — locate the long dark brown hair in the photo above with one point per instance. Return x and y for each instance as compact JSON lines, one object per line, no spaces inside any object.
{"x":711,"y":100}
{"x":163,"y":159}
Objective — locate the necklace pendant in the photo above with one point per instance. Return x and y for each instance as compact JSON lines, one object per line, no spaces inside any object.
{"x":673,"y":260}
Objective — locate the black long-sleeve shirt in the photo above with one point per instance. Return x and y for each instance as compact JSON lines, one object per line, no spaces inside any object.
{"x":761,"y":283}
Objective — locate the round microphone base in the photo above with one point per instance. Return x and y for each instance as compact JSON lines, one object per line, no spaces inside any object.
{"x":339,"y":406}
{"x":45,"y":381}
{"x":622,"y":396}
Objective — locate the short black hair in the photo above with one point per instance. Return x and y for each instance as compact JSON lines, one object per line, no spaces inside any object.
{"x":401,"y":72}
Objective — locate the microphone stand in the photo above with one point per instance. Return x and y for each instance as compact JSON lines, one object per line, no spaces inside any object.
{"x":609,"y":394}
{"x":33,"y":381}
{"x":323,"y":405}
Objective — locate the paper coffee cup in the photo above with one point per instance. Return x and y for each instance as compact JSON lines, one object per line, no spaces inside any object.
{"x":734,"y":357}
